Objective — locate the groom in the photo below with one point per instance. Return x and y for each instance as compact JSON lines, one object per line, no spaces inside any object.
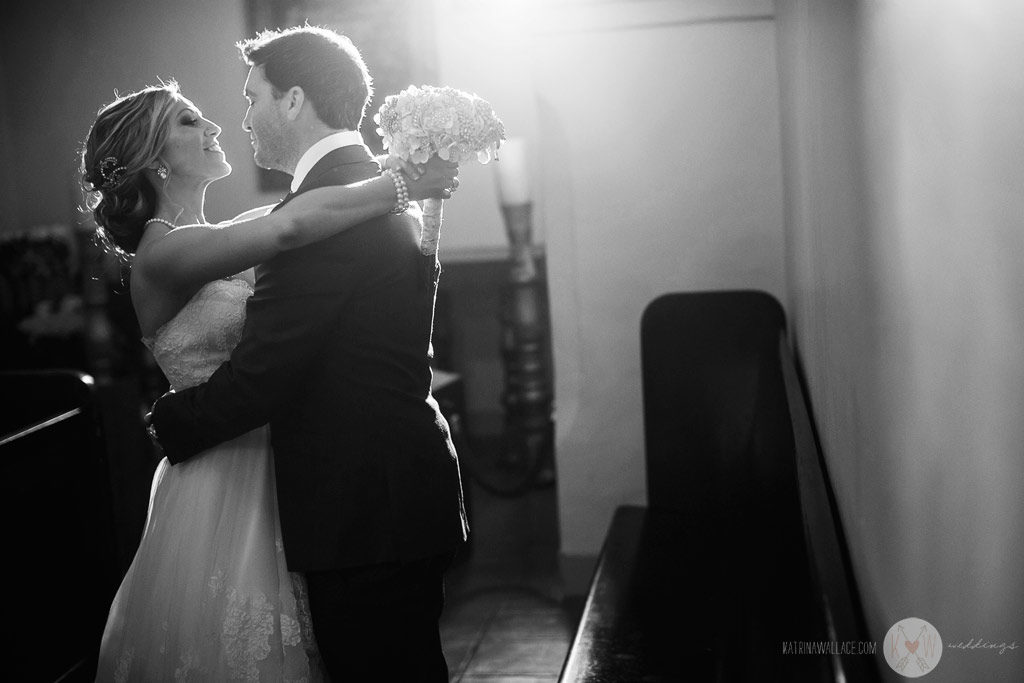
{"x":335,"y":355}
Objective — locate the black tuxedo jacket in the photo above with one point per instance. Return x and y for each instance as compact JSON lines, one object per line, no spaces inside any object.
{"x":335,"y":355}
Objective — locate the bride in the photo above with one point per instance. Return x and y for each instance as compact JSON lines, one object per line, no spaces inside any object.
{"x":208,"y":596}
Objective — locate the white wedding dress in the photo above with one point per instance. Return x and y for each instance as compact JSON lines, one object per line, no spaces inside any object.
{"x":208,"y":596}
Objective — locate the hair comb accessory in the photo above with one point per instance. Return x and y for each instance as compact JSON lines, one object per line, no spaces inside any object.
{"x":112,"y":173}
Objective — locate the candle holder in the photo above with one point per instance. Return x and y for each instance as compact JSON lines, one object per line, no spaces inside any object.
{"x":527,"y":396}
{"x":519,"y":229}
{"x":525,"y":458}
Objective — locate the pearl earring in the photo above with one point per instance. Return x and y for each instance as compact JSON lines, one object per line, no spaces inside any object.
{"x":162,"y":171}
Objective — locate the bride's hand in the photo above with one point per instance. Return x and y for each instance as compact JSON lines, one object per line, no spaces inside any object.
{"x":435,"y":179}
{"x":326,"y":211}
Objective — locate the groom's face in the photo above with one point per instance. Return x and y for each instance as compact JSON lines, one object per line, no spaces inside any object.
{"x":265,"y":122}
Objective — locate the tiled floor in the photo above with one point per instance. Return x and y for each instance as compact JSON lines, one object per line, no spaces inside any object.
{"x":506,"y":617}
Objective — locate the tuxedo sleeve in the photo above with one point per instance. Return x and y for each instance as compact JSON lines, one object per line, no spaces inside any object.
{"x":297,"y":298}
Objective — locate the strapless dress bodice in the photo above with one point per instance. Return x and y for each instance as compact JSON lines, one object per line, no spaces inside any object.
{"x":192,"y":345}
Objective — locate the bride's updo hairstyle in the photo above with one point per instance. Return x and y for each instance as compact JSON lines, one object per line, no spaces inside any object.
{"x":125,"y":140}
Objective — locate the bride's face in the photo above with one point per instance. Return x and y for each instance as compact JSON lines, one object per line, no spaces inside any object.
{"x":192,"y":151}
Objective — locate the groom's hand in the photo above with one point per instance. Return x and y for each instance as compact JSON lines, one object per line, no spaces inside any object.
{"x":148,"y":419}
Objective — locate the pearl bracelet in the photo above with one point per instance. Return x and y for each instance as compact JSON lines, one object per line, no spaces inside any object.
{"x":401,"y":191}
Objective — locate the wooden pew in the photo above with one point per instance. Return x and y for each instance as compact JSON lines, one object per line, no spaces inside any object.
{"x":60,"y":545}
{"x":739,"y":553}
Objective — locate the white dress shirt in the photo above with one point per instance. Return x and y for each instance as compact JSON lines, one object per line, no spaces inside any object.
{"x":320,"y":149}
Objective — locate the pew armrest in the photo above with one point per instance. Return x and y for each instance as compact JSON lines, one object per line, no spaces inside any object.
{"x":627,"y":629}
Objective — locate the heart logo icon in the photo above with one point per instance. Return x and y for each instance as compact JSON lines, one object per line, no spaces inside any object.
{"x":913,"y":647}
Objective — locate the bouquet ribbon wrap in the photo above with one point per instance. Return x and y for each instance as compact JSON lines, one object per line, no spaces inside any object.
{"x":456,"y":126}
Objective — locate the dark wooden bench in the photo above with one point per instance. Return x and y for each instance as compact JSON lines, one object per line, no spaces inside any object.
{"x":740,"y":552}
{"x":60,"y":542}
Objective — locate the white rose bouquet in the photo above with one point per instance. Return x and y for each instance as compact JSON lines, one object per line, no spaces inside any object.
{"x":454,"y":125}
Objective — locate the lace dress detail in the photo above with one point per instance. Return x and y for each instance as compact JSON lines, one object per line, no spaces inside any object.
{"x":208,"y":596}
{"x":193,"y":344}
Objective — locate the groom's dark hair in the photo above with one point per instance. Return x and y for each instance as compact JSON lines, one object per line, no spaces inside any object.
{"x":325,"y":64}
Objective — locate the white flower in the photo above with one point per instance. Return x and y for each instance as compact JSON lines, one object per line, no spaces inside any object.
{"x":455,"y":125}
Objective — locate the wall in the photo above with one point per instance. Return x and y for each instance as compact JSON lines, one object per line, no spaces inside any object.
{"x":8,"y":192}
{"x":64,"y":60}
{"x":484,"y":47}
{"x":903,"y":173}
{"x":661,"y":172}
